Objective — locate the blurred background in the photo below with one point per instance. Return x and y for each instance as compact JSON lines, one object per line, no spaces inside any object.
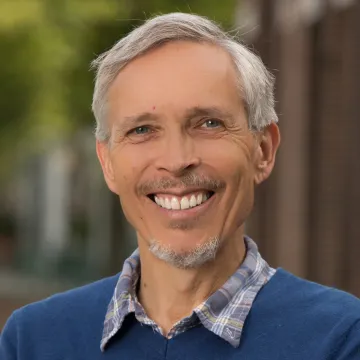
{"x":59,"y":225}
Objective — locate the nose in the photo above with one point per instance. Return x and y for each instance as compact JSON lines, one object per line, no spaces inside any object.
{"x":178,"y":154}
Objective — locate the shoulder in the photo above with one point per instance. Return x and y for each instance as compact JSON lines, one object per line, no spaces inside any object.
{"x":300,"y":314}
{"x":306,"y":290}
{"x":311,"y":299}
{"x":87,"y":296}
{"x":67,"y":308}
{"x":40,"y":327}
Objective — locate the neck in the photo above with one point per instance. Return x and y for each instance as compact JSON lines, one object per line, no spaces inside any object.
{"x":169,"y":294}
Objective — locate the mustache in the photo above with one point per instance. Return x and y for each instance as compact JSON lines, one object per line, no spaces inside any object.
{"x":192,"y":180}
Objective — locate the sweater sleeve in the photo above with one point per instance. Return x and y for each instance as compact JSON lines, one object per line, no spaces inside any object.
{"x":350,"y":347}
{"x":8,"y":340}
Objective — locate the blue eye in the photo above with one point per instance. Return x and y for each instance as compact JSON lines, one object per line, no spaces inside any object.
{"x":141,"y":130}
{"x":211,"y":123}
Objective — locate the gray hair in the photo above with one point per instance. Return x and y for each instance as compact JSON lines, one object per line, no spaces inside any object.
{"x":256,"y":83}
{"x":200,"y":255}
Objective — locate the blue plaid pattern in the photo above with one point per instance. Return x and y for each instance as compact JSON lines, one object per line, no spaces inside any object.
{"x":223,"y":313}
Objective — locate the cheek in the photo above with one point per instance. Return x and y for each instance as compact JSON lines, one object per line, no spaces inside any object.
{"x":128,"y":168}
{"x":235,"y":165}
{"x":126,"y":182}
{"x":126,"y":190}
{"x":231,"y":162}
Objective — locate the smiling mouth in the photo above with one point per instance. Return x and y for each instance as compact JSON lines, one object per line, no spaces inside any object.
{"x":186,"y":202}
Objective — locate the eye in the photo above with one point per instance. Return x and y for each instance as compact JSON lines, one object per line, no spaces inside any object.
{"x":140,"y":130}
{"x":211,"y":123}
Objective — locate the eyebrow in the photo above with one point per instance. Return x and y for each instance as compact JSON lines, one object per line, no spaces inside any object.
{"x":133,"y":121}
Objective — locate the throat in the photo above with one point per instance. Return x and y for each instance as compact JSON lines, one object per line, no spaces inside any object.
{"x":171,"y":298}
{"x":169,"y":294}
{"x":165,"y":310}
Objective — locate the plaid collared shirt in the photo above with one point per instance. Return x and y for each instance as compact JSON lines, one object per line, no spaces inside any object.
{"x":223,"y":313}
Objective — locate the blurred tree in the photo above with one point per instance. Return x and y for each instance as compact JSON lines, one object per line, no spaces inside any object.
{"x":45,"y":50}
{"x":41,"y":42}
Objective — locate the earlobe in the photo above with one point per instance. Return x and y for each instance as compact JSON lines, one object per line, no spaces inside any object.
{"x":263,"y":172}
{"x":103,"y":154}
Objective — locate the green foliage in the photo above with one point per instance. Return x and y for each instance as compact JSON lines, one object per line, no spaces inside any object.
{"x":46,"y":47}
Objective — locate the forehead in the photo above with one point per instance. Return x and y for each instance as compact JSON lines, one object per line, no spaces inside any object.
{"x":175,"y":75}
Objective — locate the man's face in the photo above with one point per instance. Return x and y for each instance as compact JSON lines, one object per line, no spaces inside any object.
{"x":182,"y":158}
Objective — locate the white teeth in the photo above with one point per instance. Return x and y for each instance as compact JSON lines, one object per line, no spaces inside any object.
{"x":175,"y":205}
{"x":184,"y":203}
{"x":193,"y":202}
{"x":167,"y":204}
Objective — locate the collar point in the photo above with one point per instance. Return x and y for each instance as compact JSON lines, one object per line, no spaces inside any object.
{"x":103,"y":346}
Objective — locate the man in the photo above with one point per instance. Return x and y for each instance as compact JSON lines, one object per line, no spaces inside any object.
{"x":186,"y":129}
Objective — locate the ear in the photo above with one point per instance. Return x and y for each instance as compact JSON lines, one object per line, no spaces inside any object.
{"x":103,"y":153}
{"x":268,"y":144}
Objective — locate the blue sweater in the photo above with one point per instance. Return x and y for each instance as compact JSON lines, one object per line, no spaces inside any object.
{"x":290,"y":319}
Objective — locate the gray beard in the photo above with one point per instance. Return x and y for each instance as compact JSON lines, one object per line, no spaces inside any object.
{"x":195,"y":258}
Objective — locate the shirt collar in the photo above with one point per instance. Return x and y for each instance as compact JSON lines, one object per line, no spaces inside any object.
{"x":224,"y":312}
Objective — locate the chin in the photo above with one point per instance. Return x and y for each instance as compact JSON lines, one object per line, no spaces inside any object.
{"x":186,"y":257}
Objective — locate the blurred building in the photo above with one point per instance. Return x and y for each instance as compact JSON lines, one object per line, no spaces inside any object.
{"x":306,"y":215}
{"x":66,"y":228}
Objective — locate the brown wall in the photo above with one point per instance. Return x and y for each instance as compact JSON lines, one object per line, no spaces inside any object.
{"x":306,"y":215}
